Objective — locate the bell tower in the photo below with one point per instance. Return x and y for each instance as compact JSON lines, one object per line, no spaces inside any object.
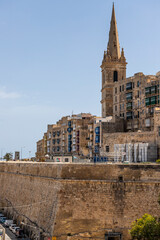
{"x":113,"y":68}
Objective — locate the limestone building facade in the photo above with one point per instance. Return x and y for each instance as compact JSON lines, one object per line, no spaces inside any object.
{"x":69,"y":136}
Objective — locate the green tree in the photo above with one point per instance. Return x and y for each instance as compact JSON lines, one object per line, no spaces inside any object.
{"x":146,"y":228}
{"x":8,"y":156}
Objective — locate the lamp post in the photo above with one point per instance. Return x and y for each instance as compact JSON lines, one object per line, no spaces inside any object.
{"x":2,"y":153}
{"x":29,"y":155}
{"x":21,"y":151}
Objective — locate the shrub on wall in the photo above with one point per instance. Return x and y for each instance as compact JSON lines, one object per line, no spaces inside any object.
{"x":146,"y":228}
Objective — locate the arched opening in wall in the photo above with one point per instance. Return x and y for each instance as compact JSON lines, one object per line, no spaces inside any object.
{"x":113,"y":236}
{"x":115,"y":76}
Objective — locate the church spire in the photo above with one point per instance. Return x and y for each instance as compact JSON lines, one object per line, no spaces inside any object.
{"x":113,"y":43}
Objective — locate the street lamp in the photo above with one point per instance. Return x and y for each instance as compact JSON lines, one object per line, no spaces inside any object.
{"x":2,"y":153}
{"x":29,"y":154}
{"x":21,"y":151}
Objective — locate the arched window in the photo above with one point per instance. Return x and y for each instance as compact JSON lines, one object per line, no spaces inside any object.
{"x":115,"y":76}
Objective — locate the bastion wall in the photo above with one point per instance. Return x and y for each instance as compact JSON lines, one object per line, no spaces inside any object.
{"x":79,"y":201}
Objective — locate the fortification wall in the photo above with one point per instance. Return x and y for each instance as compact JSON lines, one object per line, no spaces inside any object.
{"x":79,"y":200}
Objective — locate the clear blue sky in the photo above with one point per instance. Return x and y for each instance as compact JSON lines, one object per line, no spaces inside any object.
{"x":50,"y":57}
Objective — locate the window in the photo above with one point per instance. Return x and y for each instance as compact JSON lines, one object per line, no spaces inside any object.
{"x":120,"y":88}
{"x":159,"y":131}
{"x":129,"y":115}
{"x":120,"y":178}
{"x":115,"y":76}
{"x":58,"y":133}
{"x":97,"y":130}
{"x":129,"y":105}
{"x":148,"y":122}
{"x":58,"y":149}
{"x":115,"y":108}
{"x":129,"y":86}
{"x":153,"y":89}
{"x":115,"y":90}
{"x":151,"y":110}
{"x":147,"y":100}
{"x":107,"y":148}
{"x":153,"y":100}
{"x":49,"y":135}
{"x":69,"y":123}
{"x":129,"y":96}
{"x":138,"y":84}
{"x":147,"y":91}
{"x":69,"y":137}
{"x":97,"y":139}
{"x":115,"y":99}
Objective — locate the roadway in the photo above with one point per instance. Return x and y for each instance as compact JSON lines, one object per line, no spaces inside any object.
{"x":9,"y":235}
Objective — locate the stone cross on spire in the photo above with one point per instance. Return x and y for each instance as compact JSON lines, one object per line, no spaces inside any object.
{"x":113,"y":43}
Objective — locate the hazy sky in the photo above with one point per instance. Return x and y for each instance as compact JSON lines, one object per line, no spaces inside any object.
{"x":50,"y":57}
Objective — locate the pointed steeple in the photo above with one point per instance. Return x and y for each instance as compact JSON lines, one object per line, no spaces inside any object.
{"x":113,"y":43}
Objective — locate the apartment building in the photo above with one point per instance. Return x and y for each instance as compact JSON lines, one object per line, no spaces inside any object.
{"x":69,"y":136}
{"x":42,"y":149}
{"x":135,"y":99}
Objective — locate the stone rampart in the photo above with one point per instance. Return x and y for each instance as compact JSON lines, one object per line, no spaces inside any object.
{"x":79,"y":201}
